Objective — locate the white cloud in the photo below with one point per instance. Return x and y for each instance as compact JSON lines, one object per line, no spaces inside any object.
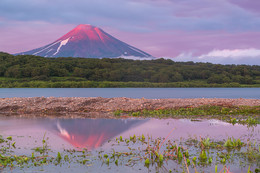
{"x":136,"y":57}
{"x":226,"y":56}
{"x":234,"y":54}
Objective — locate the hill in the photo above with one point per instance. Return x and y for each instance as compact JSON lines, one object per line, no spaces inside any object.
{"x":23,"y":69}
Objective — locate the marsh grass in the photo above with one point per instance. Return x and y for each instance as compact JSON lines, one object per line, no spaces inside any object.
{"x":208,"y":152}
{"x":202,"y":110}
{"x":44,"y":148}
{"x":152,"y":153}
{"x":246,"y":115}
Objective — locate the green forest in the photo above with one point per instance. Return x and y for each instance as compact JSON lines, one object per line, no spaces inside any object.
{"x":35,"y":71}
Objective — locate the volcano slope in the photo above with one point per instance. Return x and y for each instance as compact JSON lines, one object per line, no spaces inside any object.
{"x":87,"y":41}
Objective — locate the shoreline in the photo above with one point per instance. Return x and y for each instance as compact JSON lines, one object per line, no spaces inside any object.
{"x":98,"y":107}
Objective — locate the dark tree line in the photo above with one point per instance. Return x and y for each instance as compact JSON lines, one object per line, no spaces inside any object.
{"x":158,"y":71}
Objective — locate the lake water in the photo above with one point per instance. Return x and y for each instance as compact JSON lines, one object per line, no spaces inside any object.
{"x":150,"y":93}
{"x":99,"y":137}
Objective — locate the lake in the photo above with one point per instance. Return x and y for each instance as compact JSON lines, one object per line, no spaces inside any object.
{"x":149,"y":93}
{"x":125,"y":145}
{"x":116,"y":145}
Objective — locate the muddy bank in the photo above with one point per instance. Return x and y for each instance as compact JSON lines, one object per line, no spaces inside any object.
{"x":94,"y":105}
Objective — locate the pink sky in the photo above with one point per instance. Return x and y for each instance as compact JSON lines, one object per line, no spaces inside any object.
{"x":168,"y":28}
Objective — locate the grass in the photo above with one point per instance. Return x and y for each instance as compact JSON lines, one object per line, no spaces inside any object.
{"x":202,"y":110}
{"x":157,"y":152}
{"x":44,"y":148}
{"x":237,"y":114}
{"x":151,"y":152}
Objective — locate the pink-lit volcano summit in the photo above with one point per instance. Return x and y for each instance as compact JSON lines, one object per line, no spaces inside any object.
{"x":89,"y":42}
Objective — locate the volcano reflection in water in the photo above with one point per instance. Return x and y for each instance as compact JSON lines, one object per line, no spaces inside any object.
{"x":92,"y":133}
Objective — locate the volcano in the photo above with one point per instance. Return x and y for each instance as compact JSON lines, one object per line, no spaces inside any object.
{"x":87,"y":41}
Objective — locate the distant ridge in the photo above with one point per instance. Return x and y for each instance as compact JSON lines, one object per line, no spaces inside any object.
{"x":88,"y":41}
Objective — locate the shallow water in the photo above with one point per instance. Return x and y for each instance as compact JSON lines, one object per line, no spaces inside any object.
{"x":96,"y":135}
{"x":150,"y":93}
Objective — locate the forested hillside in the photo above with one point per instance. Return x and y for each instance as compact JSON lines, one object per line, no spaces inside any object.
{"x":31,"y":67}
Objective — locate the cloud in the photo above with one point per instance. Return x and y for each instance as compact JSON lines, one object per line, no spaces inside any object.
{"x":253,"y":6}
{"x":237,"y":56}
{"x":234,"y":54}
{"x":137,"y":58}
{"x":98,"y":12}
{"x":136,"y":16}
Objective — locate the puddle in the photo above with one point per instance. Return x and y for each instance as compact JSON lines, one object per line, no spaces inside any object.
{"x":99,"y":136}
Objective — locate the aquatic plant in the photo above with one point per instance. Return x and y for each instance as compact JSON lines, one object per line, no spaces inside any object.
{"x":118,"y":112}
{"x":153,"y":153}
{"x":203,"y":156}
{"x":205,"y":143}
{"x":9,"y":138}
{"x":161,"y":158}
{"x":233,"y":121}
{"x":58,"y":158}
{"x":252,"y":121}
{"x":216,"y":168}
{"x":233,"y":143}
{"x":147,"y":161}
{"x":215,"y":111}
{"x":44,"y":146}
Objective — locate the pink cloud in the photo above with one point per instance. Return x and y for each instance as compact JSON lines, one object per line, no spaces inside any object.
{"x":253,"y":6}
{"x":173,"y":43}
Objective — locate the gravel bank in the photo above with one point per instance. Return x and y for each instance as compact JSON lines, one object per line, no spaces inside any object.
{"x":66,"y":105}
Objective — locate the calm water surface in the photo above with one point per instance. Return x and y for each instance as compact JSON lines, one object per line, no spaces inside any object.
{"x":151,"y":93}
{"x":96,"y":134}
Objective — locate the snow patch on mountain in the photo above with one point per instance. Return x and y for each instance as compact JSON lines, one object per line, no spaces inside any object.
{"x":133,"y":48}
{"x":49,"y":50}
{"x":46,"y":48}
{"x":62,"y":43}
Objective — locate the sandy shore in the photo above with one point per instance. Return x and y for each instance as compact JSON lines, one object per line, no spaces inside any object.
{"x":66,"y":105}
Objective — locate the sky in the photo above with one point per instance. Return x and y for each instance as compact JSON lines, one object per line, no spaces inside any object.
{"x":218,"y":31}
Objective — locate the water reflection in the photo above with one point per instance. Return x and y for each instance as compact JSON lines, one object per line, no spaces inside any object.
{"x":92,"y":133}
{"x":185,"y":128}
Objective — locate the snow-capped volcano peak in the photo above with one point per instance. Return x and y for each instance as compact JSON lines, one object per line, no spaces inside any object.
{"x":89,"y":42}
